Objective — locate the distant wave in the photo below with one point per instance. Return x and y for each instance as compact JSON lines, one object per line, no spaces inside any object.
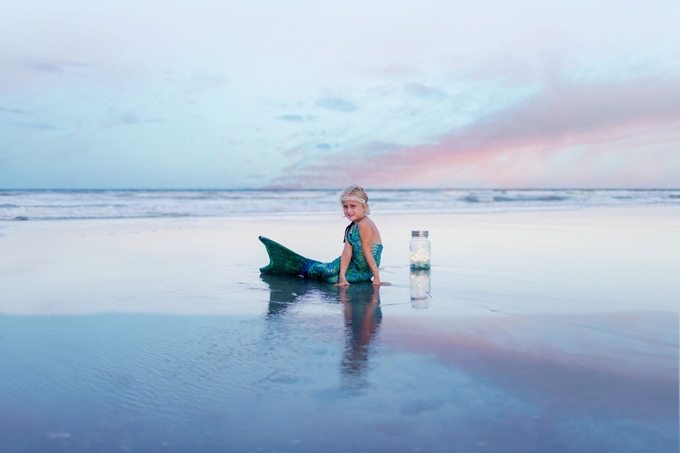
{"x":112,"y":204}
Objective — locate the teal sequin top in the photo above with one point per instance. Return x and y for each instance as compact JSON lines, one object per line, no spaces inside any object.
{"x":357,"y":271}
{"x":286,"y":262}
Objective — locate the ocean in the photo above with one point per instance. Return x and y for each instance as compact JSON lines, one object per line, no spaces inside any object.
{"x":112,"y":204}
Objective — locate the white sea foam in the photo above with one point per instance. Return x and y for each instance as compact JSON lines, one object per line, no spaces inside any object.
{"x":51,"y":205}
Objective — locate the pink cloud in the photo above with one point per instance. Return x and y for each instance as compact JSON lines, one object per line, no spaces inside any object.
{"x":586,"y":135}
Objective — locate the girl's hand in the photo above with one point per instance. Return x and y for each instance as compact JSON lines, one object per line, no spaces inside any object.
{"x":377,"y":282}
{"x":342,"y":282}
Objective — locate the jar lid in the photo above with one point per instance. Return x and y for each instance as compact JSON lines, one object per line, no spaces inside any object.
{"x":419,"y":233}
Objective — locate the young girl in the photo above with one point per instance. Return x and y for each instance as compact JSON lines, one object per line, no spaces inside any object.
{"x":359,"y":260}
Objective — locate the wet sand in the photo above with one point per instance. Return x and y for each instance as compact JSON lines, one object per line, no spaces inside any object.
{"x":545,"y":331}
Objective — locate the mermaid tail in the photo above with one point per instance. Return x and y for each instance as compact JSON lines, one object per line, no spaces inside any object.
{"x":283,"y":261}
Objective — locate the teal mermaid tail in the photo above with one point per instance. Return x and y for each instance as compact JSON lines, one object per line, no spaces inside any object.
{"x":282,"y":260}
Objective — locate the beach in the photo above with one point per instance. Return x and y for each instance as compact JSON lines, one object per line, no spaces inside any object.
{"x":544,"y":330}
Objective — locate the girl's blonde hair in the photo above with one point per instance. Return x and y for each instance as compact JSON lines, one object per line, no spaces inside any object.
{"x":356,"y":193}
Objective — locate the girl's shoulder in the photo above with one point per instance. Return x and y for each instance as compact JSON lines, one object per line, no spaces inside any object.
{"x":366,"y":225}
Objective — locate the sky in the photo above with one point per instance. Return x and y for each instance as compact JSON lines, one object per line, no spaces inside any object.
{"x":202,"y":94}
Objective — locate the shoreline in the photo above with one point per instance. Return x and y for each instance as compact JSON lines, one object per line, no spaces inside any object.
{"x":97,"y":265}
{"x":425,"y":211}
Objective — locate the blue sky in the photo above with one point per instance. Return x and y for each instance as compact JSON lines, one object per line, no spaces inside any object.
{"x":302,"y":94}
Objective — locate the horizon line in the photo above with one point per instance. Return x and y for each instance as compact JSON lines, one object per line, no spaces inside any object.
{"x":281,"y":189}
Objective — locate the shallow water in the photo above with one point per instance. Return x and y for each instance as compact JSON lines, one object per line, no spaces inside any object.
{"x":327,"y":369}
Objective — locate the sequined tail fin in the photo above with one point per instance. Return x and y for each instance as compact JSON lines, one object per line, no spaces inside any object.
{"x":283,"y":261}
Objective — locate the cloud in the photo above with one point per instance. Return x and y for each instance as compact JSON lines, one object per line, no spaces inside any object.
{"x":201,"y":82}
{"x":128,"y":118}
{"x":37,"y":126}
{"x":421,"y":91}
{"x":291,"y":118}
{"x":25,"y":73}
{"x":337,"y":104}
{"x":17,"y":111}
{"x":43,"y":66}
{"x":396,"y":70}
{"x":573,"y":134}
{"x":324,"y":146}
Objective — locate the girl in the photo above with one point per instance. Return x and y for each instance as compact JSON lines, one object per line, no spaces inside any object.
{"x":359,"y":260}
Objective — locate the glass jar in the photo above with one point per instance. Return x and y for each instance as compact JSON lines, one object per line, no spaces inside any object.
{"x":419,"y":250}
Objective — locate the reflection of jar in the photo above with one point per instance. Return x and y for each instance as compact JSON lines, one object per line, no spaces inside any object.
{"x":419,"y":250}
{"x":419,"y":283}
{"x":419,"y":286}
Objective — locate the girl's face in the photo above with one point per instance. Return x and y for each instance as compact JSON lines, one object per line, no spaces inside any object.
{"x":353,"y":210}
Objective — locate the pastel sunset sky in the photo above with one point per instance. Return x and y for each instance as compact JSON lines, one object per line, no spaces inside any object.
{"x":317,"y":94}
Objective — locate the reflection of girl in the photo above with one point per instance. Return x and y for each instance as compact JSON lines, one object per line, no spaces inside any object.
{"x":362,"y":318}
{"x":361,"y":309}
{"x":360,"y":257}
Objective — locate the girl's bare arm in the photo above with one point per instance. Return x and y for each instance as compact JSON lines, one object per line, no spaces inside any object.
{"x":344,"y":263}
{"x":366,"y":234}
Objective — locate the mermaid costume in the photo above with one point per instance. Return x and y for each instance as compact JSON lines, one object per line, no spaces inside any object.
{"x":283,"y":261}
